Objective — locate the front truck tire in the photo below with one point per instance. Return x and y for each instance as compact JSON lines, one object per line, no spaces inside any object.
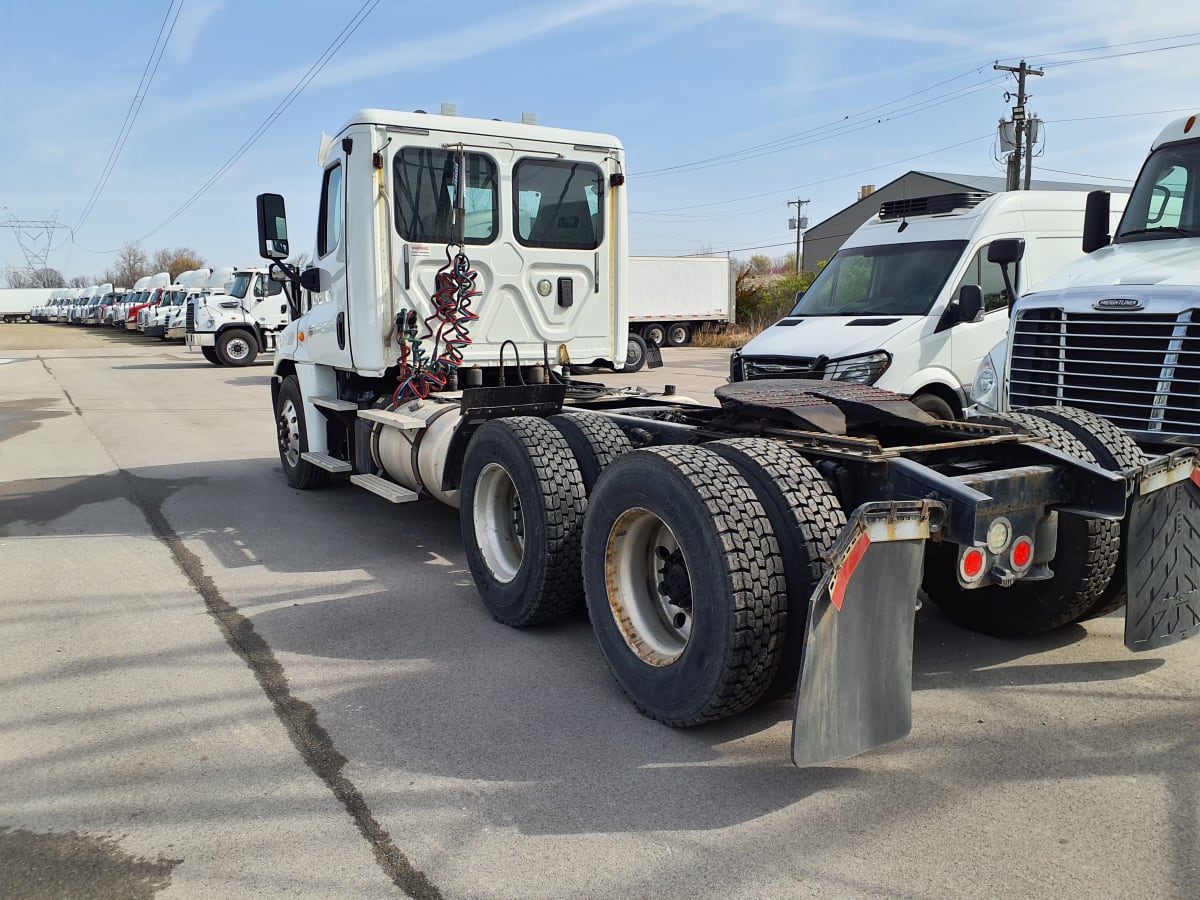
{"x":1112,"y":449}
{"x":293,"y":438}
{"x":237,"y":347}
{"x":635,"y":353}
{"x":684,"y":584}
{"x":807,"y":519}
{"x":1083,"y":566}
{"x":210,"y":354}
{"x":521,"y":513}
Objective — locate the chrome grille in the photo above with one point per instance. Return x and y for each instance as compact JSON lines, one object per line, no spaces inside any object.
{"x":189,"y":322}
{"x":778,"y":367}
{"x":1142,"y":370}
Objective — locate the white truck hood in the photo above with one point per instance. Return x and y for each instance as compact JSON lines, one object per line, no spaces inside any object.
{"x":1167,"y":262}
{"x":833,"y":336}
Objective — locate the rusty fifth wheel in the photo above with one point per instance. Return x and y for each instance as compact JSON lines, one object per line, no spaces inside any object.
{"x":684,"y":584}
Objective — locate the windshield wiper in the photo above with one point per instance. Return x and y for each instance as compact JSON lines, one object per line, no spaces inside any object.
{"x":1168,"y":230}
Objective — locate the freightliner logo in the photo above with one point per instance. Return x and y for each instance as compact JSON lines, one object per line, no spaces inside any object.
{"x":1118,"y":303}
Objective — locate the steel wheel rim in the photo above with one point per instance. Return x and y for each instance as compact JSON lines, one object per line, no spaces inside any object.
{"x":289,"y":433}
{"x":677,"y":335}
{"x":657,"y":335}
{"x":499,"y":522}
{"x":237,"y":348}
{"x":649,"y":596}
{"x":633,"y":353}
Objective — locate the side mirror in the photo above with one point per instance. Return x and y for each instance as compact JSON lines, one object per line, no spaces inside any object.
{"x":970,"y":303}
{"x":799,"y":296}
{"x":272,"y":227}
{"x":315,"y":280}
{"x":1006,"y":251}
{"x":1095,"y":221}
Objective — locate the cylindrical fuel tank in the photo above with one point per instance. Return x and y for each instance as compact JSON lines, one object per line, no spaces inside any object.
{"x":416,"y":458}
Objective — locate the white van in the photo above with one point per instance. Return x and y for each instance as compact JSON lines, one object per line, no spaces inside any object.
{"x":886,"y":309}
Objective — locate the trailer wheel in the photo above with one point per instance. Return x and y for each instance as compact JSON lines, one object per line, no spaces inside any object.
{"x":521,"y":513}
{"x":635,"y":353}
{"x":654,"y":333}
{"x":1083,"y":566}
{"x":806,"y":518}
{"x":1113,"y":449}
{"x":210,"y":354}
{"x":683,"y":580}
{"x":237,"y":347}
{"x":293,"y":438}
{"x":594,"y":440}
{"x":678,"y":334}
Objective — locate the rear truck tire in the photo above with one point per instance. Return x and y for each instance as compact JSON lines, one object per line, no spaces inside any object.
{"x":595,"y":441}
{"x":1083,"y":567}
{"x":684,"y":584}
{"x":210,"y":354}
{"x":1114,"y":450}
{"x":635,"y":353}
{"x":293,"y":438}
{"x":935,"y":406}
{"x":521,"y":513}
{"x":807,"y":519}
{"x":237,"y":347}
{"x":654,"y":333}
{"x":678,"y":334}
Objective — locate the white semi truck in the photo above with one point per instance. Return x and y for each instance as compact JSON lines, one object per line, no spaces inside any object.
{"x":233,"y":326}
{"x":726,"y":554}
{"x":1118,"y":332}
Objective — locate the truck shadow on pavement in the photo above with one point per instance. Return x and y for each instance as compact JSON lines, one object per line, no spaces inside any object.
{"x":528,"y":728}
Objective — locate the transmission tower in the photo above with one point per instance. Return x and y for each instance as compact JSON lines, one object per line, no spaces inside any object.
{"x":34,"y":236}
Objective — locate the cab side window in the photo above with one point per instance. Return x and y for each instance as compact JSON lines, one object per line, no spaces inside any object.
{"x":329,"y":226}
{"x":989,"y":278}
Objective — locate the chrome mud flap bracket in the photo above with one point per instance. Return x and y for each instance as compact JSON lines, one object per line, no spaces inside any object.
{"x":855,"y":686}
{"x":1162,"y":572}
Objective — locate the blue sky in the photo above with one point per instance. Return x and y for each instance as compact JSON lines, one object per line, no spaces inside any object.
{"x":833,"y":96}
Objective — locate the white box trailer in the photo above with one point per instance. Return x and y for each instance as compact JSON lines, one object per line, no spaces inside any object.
{"x":672,"y":297}
{"x":16,"y":303}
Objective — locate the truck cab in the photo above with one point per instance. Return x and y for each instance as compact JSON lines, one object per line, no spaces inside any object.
{"x":1118,"y":332}
{"x":889,"y":308}
{"x":239,"y":318}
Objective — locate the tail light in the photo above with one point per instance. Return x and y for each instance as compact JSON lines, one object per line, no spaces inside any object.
{"x":972,"y":564}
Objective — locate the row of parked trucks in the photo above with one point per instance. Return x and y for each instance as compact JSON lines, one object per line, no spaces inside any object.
{"x":229,"y":314}
{"x":772,"y":544}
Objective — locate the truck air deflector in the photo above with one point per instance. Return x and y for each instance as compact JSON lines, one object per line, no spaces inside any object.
{"x":855,"y":686}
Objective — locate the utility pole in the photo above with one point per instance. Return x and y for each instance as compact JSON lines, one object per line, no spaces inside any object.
{"x":1023,"y":128}
{"x":798,"y":224}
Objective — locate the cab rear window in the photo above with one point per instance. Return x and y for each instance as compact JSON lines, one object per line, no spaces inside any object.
{"x":558,"y":204}
{"x":424,"y":180}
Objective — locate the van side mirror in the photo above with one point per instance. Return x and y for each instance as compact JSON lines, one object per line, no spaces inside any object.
{"x":1095,"y":221}
{"x":1006,"y":251}
{"x":272,"y":227}
{"x":970,"y":303}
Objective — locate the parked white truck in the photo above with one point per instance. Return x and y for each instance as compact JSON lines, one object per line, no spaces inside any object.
{"x":725,"y":553}
{"x":889,"y":310}
{"x":232,"y":326}
{"x":1118,"y":332}
{"x":674,"y":297}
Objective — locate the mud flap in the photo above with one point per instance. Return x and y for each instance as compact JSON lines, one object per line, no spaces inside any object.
{"x":855,"y":685}
{"x":1162,"y":572}
{"x":653,"y":356}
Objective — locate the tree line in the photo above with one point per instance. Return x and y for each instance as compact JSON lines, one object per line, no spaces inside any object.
{"x":131,"y":264}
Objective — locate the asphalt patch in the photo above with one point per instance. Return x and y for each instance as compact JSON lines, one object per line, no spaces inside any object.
{"x":35,"y":866}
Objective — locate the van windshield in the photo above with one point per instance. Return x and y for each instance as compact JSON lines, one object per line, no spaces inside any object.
{"x":1165,"y":202}
{"x":889,"y":280}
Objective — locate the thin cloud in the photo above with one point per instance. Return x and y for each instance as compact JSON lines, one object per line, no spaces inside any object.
{"x":192,"y":21}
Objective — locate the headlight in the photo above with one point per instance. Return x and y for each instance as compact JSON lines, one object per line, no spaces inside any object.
{"x":864,"y":369}
{"x":983,"y":388}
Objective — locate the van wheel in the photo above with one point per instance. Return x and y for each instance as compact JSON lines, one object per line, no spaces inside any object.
{"x":1083,"y":567}
{"x":635,"y":353}
{"x":678,"y":334}
{"x":293,"y":438}
{"x":237,"y":347}
{"x":210,"y":354}
{"x":654,"y":333}
{"x":935,"y":406}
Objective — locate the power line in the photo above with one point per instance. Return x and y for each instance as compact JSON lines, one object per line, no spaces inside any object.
{"x":135,"y":106}
{"x":344,"y":35}
{"x":1157,"y":40}
{"x":1082,"y":174}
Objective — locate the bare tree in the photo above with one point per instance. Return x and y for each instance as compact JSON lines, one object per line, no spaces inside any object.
{"x":175,"y":261}
{"x":34,"y":278}
{"x":132,"y":264}
{"x":80,"y":281}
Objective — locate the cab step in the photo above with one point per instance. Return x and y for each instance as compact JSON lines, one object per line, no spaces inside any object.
{"x":333,"y":403}
{"x":391,"y":419}
{"x":326,"y":462}
{"x":388,"y":490}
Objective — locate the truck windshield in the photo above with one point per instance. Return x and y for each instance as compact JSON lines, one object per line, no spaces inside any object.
{"x":1165,"y":202}
{"x":889,"y":280}
{"x":241,"y":284}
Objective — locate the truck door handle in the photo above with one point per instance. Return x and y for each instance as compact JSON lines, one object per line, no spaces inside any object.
{"x":341,"y":330}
